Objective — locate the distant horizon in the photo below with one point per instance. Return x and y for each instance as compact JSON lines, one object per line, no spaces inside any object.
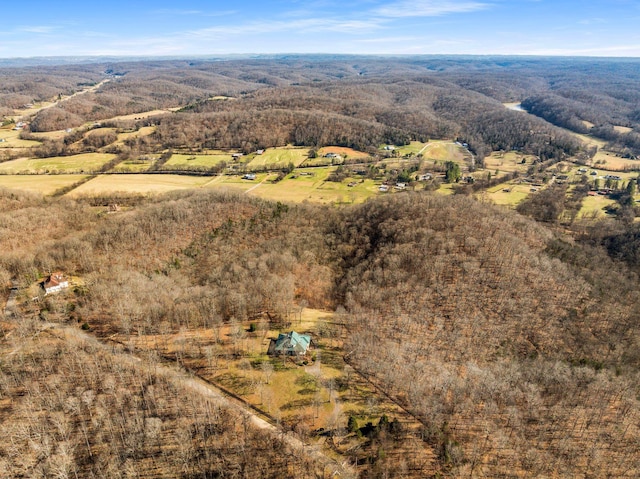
{"x":58,"y":60}
{"x":559,"y":28}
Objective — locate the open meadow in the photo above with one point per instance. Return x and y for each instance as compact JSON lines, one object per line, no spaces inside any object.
{"x":181,"y":160}
{"x":280,"y":157}
{"x":83,"y":163}
{"x":139,"y":183}
{"x":11,"y":139}
{"x":43,"y":184}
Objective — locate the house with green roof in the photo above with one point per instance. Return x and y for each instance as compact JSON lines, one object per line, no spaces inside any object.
{"x":290,"y":344}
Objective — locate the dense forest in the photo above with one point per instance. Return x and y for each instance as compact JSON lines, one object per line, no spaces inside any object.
{"x":350,"y":101}
{"x":515,"y":346}
{"x":509,"y":336}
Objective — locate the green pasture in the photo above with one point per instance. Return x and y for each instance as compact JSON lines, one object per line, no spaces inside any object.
{"x":444,"y":151}
{"x":144,"y":131}
{"x":508,"y":162}
{"x":44,"y":184}
{"x":237,"y":182}
{"x":12,"y":139}
{"x":133,"y":166}
{"x":279,"y":157}
{"x":310,"y":184}
{"x":84,"y":163}
{"x":516,"y":193}
{"x":178,"y":161}
{"x":593,"y":206}
{"x":412,"y":148}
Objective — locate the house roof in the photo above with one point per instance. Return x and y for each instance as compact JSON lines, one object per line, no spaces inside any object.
{"x":54,"y":279}
{"x":292,"y":341}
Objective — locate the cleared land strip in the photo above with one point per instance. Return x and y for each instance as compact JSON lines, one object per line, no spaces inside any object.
{"x":210,"y":390}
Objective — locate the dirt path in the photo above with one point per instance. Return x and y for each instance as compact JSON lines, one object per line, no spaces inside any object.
{"x":62,"y":100}
{"x":255,"y":186}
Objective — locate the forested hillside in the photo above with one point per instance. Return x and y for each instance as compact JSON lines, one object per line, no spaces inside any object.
{"x":515,"y":347}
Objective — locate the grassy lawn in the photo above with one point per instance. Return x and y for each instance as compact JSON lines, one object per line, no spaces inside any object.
{"x":139,"y":116}
{"x":412,"y":148}
{"x":45,"y":184}
{"x":593,"y":206}
{"x":236,"y":181}
{"x":12,"y":140}
{"x":611,"y":162}
{"x":207,"y":161}
{"x":139,"y":184}
{"x":51,"y":135}
{"x":133,"y":166}
{"x":278,"y":157}
{"x":507,"y":162}
{"x":311,"y":184}
{"x":444,"y":151}
{"x":144,"y":131}
{"x":87,"y":162}
{"x":516,"y":193}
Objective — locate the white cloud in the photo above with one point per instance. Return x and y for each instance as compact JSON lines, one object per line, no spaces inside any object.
{"x":428,"y":8}
{"x":37,"y":29}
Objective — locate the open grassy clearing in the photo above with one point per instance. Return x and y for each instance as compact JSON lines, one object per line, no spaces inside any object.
{"x":142,"y":183}
{"x":237,"y":182}
{"x":508,"y":162}
{"x":32,"y":110}
{"x":87,"y":162}
{"x":12,"y":139}
{"x":593,"y":206}
{"x":343,"y":151}
{"x":141,"y":116}
{"x":508,"y":194}
{"x":412,"y":148}
{"x":279,"y":157}
{"x":144,"y":131}
{"x":609,"y":161}
{"x":44,"y":184}
{"x":51,"y":135}
{"x":205,"y":161}
{"x":444,"y":151}
{"x":622,"y":129}
{"x":133,"y":166}
{"x":319,"y":391}
{"x":311,"y":185}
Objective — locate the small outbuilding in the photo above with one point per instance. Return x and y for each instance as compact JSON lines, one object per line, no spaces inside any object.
{"x":55,"y":282}
{"x":290,"y":344}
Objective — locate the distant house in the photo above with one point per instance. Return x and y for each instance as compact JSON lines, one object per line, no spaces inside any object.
{"x":401,"y":186}
{"x":383,"y":188}
{"x":389,"y":147}
{"x":290,"y":344}
{"x":237,"y":155}
{"x":425,"y":177}
{"x":332,"y":155}
{"x":249,"y":176}
{"x":259,"y":152}
{"x":55,"y":282}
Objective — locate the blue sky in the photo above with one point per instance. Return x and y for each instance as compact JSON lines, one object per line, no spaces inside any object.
{"x":116,"y":27}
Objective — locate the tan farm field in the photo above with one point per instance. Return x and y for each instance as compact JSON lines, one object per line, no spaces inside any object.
{"x":84,"y":163}
{"x":141,"y":183}
{"x":44,"y":184}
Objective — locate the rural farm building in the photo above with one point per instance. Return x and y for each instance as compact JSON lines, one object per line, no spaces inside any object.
{"x":55,"y":282}
{"x":291,"y":344}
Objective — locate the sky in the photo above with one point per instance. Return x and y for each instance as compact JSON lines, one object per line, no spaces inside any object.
{"x":193,"y":27}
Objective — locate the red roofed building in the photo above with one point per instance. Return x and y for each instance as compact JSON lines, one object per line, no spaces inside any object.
{"x":54,"y":283}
